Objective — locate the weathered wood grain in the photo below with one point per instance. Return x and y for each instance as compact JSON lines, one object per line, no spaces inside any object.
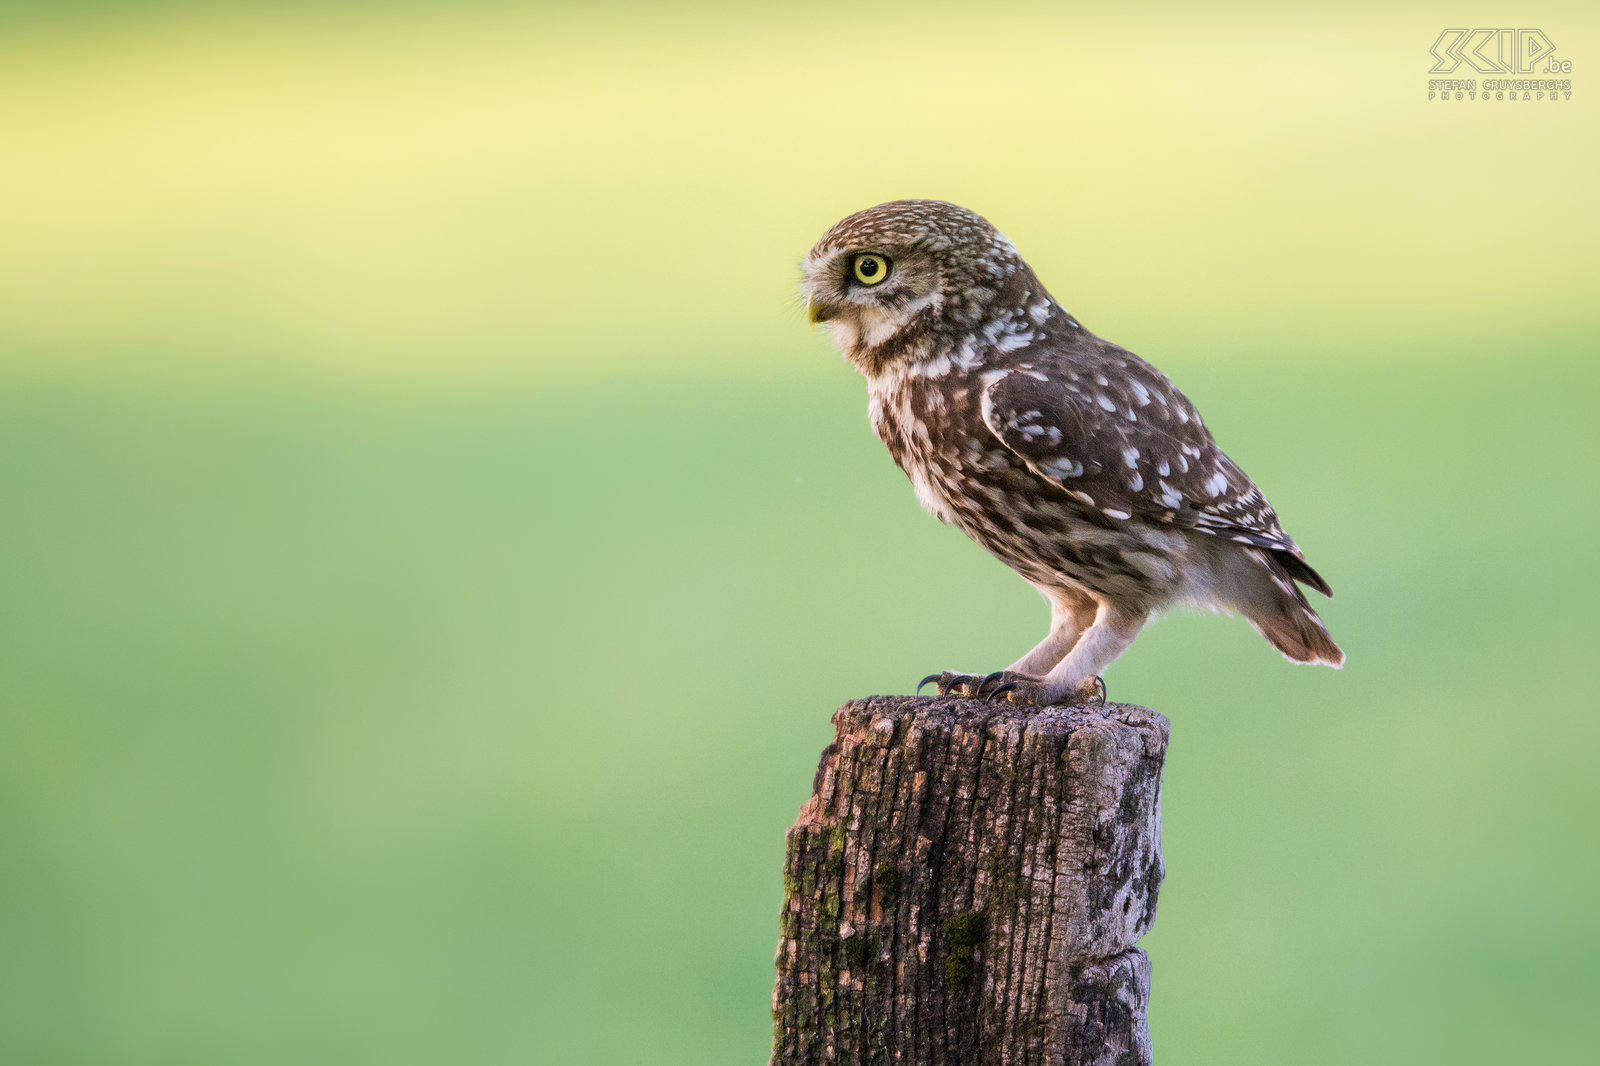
{"x":966,"y":885}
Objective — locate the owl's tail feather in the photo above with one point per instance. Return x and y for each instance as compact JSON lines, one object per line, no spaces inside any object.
{"x":1291,"y":626}
{"x":1302,"y":572}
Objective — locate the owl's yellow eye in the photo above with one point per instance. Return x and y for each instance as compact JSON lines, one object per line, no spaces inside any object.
{"x":871,"y":269}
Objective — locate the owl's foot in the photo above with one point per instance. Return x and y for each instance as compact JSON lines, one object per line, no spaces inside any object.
{"x":1019,"y":689}
{"x":1039,"y":692}
{"x":950,"y":683}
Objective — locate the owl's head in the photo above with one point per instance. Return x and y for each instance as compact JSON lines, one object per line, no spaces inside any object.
{"x":905,"y":279}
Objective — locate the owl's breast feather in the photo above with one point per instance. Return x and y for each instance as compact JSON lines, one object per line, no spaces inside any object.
{"x":934,"y":432}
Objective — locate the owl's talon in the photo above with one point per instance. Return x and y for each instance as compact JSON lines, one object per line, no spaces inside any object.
{"x":989,"y":679}
{"x":963,"y":686}
{"x":923,"y":683}
{"x":950,"y":683}
{"x":1000,"y":690}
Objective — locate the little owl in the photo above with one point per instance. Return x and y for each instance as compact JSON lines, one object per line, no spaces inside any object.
{"x":1075,"y":462}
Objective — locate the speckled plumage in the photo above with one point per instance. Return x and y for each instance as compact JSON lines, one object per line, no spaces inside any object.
{"x":1075,"y":462}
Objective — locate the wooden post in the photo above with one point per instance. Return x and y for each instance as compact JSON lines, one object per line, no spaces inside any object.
{"x":966,"y":885}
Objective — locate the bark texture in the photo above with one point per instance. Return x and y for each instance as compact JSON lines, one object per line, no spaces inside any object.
{"x":966,"y":884}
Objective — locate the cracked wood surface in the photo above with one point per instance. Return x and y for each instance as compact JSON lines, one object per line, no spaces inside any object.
{"x":966,"y":885}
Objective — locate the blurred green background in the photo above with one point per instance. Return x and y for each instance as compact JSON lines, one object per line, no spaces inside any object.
{"x":433,"y":542}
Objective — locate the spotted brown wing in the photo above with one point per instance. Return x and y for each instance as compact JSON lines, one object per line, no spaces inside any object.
{"x":1121,"y":439}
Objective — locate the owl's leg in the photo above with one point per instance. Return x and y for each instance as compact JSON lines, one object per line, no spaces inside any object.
{"x":1071,"y":613}
{"x":1076,"y":678}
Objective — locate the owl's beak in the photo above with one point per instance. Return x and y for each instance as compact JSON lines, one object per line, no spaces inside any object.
{"x":816,"y":311}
